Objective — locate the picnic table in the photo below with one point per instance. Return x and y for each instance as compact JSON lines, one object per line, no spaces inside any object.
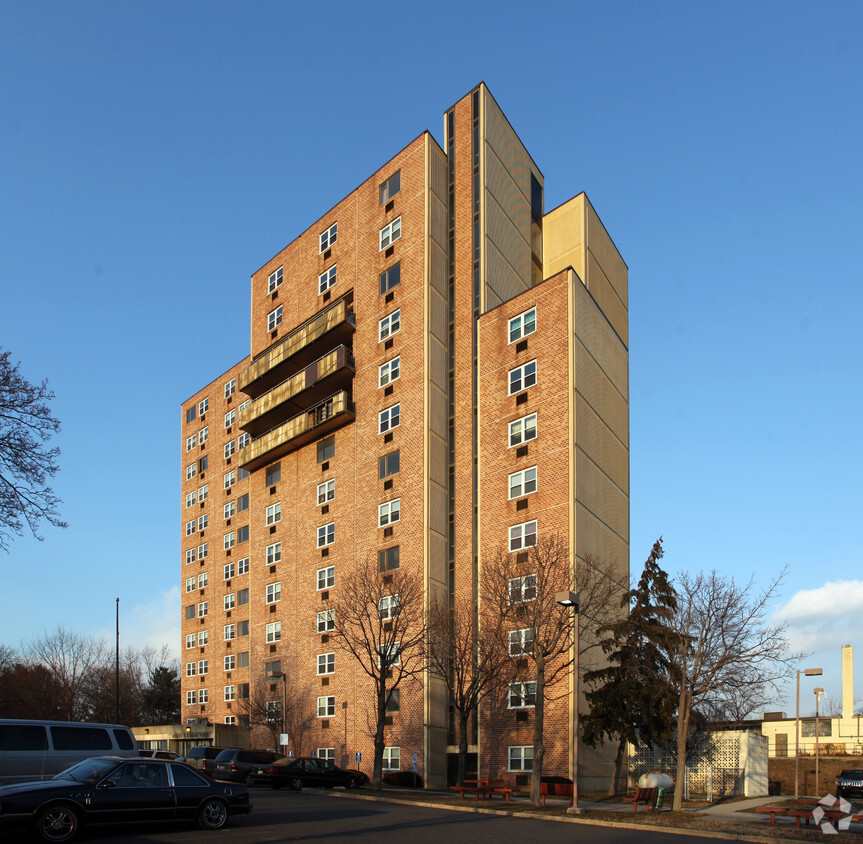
{"x":480,"y":788}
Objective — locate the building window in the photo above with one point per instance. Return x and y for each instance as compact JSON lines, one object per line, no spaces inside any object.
{"x":229,"y":631}
{"x":202,"y":406}
{"x":190,"y":612}
{"x":230,"y":448}
{"x":326,"y":707}
{"x":274,"y":513}
{"x":202,"y":464}
{"x":190,"y":471}
{"x":391,"y":187}
{"x":328,"y":238}
{"x":230,"y":662}
{"x":522,"y":589}
{"x":392,"y":758}
{"x":389,"y":371}
{"x":390,"y":233}
{"x":191,"y":414}
{"x":203,"y":492}
{"x":244,"y":439}
{"x":391,"y":278}
{"x":326,"y":491}
{"x":243,"y":657}
{"x":203,"y":696}
{"x":327,"y":755}
{"x":390,"y":325}
{"x":389,"y":418}
{"x":202,"y":550}
{"x":326,"y":621}
{"x":203,"y":435}
{"x":274,"y":631}
{"x":191,"y":497}
{"x":326,"y":534}
{"x":242,"y":597}
{"x":243,"y":566}
{"x":230,"y":693}
{"x":190,"y":556}
{"x":326,"y":664}
{"x":388,"y":465}
{"x":242,"y":473}
{"x":230,"y":479}
{"x":230,"y":601}
{"x":520,"y":641}
{"x":230,"y":388}
{"x":231,"y":720}
{"x":229,"y":571}
{"x":190,"y":640}
{"x":388,"y":558}
{"x":230,"y":540}
{"x":326,"y":577}
{"x":522,"y":483}
{"x":273,"y":669}
{"x":202,"y":638}
{"x":274,"y":593}
{"x":274,"y":319}
{"x":273,"y":474}
{"x":190,"y":527}
{"x":190,"y":584}
{"x":202,"y":609}
{"x":326,"y":279}
{"x":274,"y":553}
{"x":191,"y":441}
{"x":230,"y":417}
{"x":273,"y":710}
{"x":389,"y":512}
{"x":522,"y":325}
{"x":230,"y":509}
{"x":203,"y":666}
{"x":244,"y":405}
{"x":191,"y":698}
{"x":202,"y":580}
{"x":388,"y":607}
{"x":326,"y":448}
{"x":522,"y":377}
{"x":393,"y":702}
{"x":274,"y":282}
{"x":202,"y":521}
{"x":522,"y":536}
{"x":243,"y":503}
{"x":390,"y":654}
{"x":521,"y":758}
{"x":242,"y":535}
{"x":242,"y":629}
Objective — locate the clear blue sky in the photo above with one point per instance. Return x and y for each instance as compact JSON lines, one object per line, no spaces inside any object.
{"x":154,"y":154}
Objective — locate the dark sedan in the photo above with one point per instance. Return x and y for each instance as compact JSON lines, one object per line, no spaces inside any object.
{"x":107,"y":789}
{"x":849,"y":783}
{"x":302,"y":772}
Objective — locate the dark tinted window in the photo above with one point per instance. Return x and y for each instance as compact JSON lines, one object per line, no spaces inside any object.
{"x":124,"y":740}
{"x":184,"y":775}
{"x":23,"y":738}
{"x":81,"y":738}
{"x":243,"y":503}
{"x":274,"y":474}
{"x":388,"y":465}
{"x":388,"y":558}
{"x":326,"y":448}
{"x":390,"y":278}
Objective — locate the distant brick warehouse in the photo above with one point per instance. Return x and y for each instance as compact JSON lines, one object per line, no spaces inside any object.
{"x":439,"y":369}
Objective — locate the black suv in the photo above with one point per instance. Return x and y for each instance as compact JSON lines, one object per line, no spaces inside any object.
{"x":203,"y":757}
{"x":238,"y":765}
{"x":850,"y":783}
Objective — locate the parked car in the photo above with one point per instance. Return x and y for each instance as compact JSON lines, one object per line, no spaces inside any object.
{"x":238,"y":765}
{"x":850,"y":783}
{"x":110,"y":789}
{"x":159,"y":754}
{"x":33,"y":750}
{"x":302,"y":772}
{"x":203,"y":757}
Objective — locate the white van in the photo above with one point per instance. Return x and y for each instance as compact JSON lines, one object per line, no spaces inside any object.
{"x":36,"y":750}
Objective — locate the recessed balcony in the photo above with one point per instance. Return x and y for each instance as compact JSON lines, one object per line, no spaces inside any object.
{"x":304,"y":344}
{"x":305,"y":427}
{"x":308,"y":387}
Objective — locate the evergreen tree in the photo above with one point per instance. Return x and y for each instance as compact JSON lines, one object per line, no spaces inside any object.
{"x":633,"y":699}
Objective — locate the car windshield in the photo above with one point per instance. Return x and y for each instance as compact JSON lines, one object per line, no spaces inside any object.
{"x":88,"y":772}
{"x":851,"y":775}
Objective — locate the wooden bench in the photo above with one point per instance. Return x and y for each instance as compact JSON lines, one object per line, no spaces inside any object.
{"x":469,"y":789}
{"x":556,"y":789}
{"x":806,"y":814}
{"x":773,"y":810}
{"x":642,"y":795}
{"x":505,"y":792}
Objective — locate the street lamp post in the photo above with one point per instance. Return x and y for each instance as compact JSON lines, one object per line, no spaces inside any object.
{"x":571,"y":599}
{"x":818,"y":692}
{"x":809,"y":672}
{"x":284,"y":742}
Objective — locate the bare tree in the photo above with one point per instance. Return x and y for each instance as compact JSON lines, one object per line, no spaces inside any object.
{"x":724,"y":644}
{"x":71,"y":660}
{"x":263,"y":707}
{"x":26,"y":464}
{"x":470,"y":658}
{"x":521,"y":589}
{"x":380,"y":622}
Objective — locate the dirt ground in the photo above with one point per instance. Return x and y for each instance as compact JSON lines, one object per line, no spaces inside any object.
{"x":782,"y":771}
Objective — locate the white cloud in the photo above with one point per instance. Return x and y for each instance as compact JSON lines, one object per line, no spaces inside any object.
{"x":823,"y":618}
{"x":151,"y":624}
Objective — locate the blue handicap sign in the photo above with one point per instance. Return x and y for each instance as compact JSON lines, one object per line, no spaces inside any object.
{"x":359,"y":756}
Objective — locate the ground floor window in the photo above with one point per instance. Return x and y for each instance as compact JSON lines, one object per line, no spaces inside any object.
{"x":521,"y":758}
{"x":392,"y":758}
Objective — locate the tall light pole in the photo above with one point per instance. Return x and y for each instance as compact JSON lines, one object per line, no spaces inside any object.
{"x":818,"y":692}
{"x":117,"y":670}
{"x":284,"y":710}
{"x":809,"y":672}
{"x":571,"y":599}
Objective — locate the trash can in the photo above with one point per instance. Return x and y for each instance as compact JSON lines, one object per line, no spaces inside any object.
{"x":660,"y":792}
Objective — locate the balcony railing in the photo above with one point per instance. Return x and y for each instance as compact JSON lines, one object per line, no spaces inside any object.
{"x":305,"y":427}
{"x":298,"y":349}
{"x":299,"y":392}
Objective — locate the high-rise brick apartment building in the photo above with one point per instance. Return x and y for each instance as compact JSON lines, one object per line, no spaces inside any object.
{"x":438,"y":369}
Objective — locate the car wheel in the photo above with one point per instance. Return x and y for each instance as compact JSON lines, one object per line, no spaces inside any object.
{"x":57,"y":823}
{"x":352,"y":782}
{"x":213,"y":814}
{"x":296,"y":783}
{"x":247,"y":779}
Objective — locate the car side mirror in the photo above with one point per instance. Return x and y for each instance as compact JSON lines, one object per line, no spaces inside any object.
{"x":107,"y":784}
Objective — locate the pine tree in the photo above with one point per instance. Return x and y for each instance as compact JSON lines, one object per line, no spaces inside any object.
{"x":632,"y":699}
